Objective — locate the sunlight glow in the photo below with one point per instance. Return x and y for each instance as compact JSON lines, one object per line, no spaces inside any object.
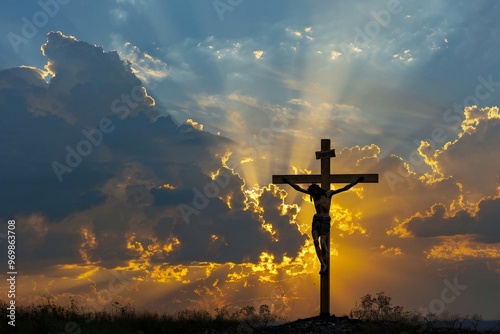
{"x":461,"y":248}
{"x":88,"y":244}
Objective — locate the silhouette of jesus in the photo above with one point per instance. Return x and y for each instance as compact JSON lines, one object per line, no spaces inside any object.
{"x":321,"y":220}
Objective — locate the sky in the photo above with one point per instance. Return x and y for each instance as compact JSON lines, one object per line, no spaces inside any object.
{"x":139,"y":139}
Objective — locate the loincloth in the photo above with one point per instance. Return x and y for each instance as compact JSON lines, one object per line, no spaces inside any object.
{"x":321,"y":224}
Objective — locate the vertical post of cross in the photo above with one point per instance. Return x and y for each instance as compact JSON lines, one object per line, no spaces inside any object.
{"x":325,"y":277}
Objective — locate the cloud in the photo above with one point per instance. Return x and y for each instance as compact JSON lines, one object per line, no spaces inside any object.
{"x":462,"y":249}
{"x":232,"y":226}
{"x":149,"y":69}
{"x":335,"y":54}
{"x":33,"y":139}
{"x":86,"y":80}
{"x":42,"y":119}
{"x":194,"y":124}
{"x":438,"y":225}
{"x":462,"y":161}
{"x":464,"y":158}
{"x":480,"y":224}
{"x":119,"y":183}
{"x":119,"y":15}
{"x":258,"y":54}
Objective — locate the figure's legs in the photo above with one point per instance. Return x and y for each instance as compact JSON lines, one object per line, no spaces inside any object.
{"x":318,"y":250}
{"x":324,"y":249}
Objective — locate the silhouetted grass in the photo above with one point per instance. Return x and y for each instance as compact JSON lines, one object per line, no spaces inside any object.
{"x":48,"y":318}
{"x":379,"y":316}
{"x":373,"y":315}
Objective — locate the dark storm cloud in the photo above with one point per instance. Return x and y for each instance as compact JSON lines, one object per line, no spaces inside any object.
{"x":29,"y":144}
{"x":483,"y":225}
{"x":41,"y":247}
{"x":487,"y":218}
{"x":287,"y":235}
{"x":216,"y":231}
{"x":40,"y":120}
{"x":228,"y":236}
{"x":87,"y":80}
{"x":437,"y":224}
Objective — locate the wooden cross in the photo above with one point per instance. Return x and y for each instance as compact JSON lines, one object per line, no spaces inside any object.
{"x":325,"y":178}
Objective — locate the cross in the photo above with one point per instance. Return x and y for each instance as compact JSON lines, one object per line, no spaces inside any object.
{"x":325,"y":178}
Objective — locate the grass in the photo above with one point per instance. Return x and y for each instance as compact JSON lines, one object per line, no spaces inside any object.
{"x":49,"y":318}
{"x":371,"y":315}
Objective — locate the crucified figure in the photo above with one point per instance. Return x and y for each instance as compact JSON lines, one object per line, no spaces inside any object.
{"x":321,"y":220}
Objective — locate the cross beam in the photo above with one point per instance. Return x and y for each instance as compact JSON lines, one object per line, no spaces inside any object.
{"x":325,"y":178}
{"x":333,"y":178}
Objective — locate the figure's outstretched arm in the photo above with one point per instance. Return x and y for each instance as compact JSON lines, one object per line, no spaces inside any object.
{"x":330,"y":193}
{"x":295,"y":186}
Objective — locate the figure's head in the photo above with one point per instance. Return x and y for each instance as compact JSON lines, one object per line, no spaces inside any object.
{"x":315,"y":191}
